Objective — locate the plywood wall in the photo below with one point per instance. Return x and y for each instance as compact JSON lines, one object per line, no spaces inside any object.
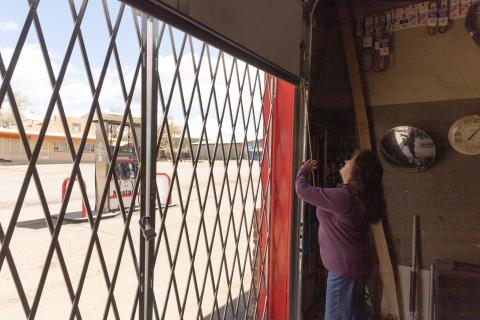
{"x":446,"y":196}
{"x":434,"y":81}
{"x":428,"y":68}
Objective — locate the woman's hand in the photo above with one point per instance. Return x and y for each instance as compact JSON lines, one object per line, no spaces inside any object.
{"x":310,"y":165}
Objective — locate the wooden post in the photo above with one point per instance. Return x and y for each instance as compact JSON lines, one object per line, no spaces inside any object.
{"x":389,"y":302}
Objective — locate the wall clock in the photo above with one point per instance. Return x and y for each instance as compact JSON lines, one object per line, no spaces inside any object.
{"x":464,"y":135}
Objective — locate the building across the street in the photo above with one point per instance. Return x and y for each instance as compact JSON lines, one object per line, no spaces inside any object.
{"x":54,"y":148}
{"x":251,"y":150}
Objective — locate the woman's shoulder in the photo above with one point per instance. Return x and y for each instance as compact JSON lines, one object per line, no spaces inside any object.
{"x":340,"y":190}
{"x":340,"y":195}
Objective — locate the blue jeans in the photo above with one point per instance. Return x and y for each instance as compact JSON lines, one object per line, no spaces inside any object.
{"x":346,"y":298}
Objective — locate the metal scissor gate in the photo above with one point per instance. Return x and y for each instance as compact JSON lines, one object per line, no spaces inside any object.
{"x":206,"y":122}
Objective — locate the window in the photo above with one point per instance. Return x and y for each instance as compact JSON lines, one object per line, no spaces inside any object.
{"x":44,"y":150}
{"x":16,"y":147}
{"x":3,"y":146}
{"x":89,"y":147}
{"x":76,"y":127}
{"x":60,"y":147}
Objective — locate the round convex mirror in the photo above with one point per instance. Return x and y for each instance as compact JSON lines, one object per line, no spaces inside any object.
{"x":408,"y":147}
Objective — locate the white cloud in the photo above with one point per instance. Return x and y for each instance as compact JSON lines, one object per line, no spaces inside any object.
{"x":8,"y":25}
{"x":31,"y":80}
{"x":196,"y":125}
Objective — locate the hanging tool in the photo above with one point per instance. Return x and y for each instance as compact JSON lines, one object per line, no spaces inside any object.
{"x":432,"y":24}
{"x":367,"y":50}
{"x":443,"y":16}
{"x":377,"y":60}
{"x":381,"y":56}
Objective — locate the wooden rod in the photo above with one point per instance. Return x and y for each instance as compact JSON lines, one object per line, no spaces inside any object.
{"x":389,"y":302}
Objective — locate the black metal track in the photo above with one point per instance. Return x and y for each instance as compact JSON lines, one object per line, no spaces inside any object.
{"x":170,"y":15}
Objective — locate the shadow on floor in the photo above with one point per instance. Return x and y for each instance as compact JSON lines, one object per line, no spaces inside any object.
{"x":230,"y":312}
{"x":70,"y":218}
{"x":39,"y":223}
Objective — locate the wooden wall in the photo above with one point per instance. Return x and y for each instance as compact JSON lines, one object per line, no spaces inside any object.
{"x":446,"y":197}
{"x":434,"y":81}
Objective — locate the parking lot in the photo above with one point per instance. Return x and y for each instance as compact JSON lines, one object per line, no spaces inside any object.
{"x":227,"y":268}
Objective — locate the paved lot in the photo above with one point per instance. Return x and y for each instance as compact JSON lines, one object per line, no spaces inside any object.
{"x":31,"y":239}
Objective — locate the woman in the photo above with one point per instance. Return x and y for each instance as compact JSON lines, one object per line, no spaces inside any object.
{"x":344,"y":216}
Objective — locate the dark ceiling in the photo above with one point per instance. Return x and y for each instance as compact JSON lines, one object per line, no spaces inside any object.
{"x":329,"y":85}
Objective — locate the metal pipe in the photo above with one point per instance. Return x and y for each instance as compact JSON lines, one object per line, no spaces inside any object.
{"x":413,"y":271}
{"x":310,"y":40}
{"x":306,"y":89}
{"x":148,"y":150}
{"x":431,"y":310}
{"x":302,"y":133}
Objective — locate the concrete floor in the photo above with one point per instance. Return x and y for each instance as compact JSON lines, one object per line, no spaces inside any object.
{"x":31,"y":239}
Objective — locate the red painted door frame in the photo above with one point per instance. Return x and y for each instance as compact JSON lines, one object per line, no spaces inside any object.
{"x":281,"y":201}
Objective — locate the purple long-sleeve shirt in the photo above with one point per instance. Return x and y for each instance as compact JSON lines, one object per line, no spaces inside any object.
{"x":343,"y":235}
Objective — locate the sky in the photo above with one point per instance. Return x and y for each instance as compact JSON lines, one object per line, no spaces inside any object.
{"x":31,"y":81}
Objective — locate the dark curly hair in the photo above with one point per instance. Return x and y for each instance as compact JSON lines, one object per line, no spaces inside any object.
{"x":366,"y":185}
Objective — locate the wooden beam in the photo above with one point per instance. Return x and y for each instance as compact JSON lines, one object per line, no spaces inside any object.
{"x":389,"y":302}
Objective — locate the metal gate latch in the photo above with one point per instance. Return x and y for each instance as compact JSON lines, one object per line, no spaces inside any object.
{"x":147,"y":229}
